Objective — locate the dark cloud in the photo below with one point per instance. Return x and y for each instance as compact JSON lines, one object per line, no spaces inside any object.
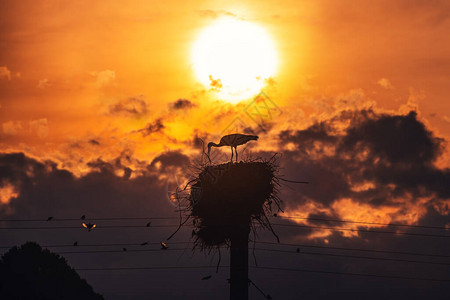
{"x":395,"y":139}
{"x":156,"y":126}
{"x":133,"y":106}
{"x":94,"y":142}
{"x":168,"y":160}
{"x":335,"y":155}
{"x":46,"y":190}
{"x":395,"y":154}
{"x":182,"y":104}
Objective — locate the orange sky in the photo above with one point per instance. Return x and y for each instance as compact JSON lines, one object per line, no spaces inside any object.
{"x":65,"y":64}
{"x":79,"y":80}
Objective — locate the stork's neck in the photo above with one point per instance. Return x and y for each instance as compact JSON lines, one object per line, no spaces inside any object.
{"x":214,"y":144}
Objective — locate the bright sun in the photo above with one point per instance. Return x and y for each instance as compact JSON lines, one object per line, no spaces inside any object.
{"x":234,"y":58}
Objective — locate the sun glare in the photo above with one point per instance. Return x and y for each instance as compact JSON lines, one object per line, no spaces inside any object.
{"x":234,"y":58}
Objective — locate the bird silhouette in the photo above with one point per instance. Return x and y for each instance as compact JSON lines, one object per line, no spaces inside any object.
{"x":144,"y":243}
{"x":89,"y":226}
{"x":75,"y":243}
{"x":206,"y":277}
{"x":49,"y":218}
{"x":83,"y":217}
{"x":232,"y":140}
{"x":148,"y":224}
{"x":124,"y":249}
{"x":164,"y":246}
{"x":298,"y":250}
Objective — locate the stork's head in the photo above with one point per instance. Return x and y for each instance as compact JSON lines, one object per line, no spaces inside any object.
{"x":254,"y":137}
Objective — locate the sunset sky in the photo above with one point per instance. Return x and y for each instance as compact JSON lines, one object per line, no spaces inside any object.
{"x":102,"y":107}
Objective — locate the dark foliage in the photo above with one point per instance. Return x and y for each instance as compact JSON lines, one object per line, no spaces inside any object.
{"x":29,"y":272}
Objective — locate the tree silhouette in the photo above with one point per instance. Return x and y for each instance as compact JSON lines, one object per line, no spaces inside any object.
{"x":30,"y":272}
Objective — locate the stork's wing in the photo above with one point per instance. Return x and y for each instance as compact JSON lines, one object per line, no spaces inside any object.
{"x":84,"y":225}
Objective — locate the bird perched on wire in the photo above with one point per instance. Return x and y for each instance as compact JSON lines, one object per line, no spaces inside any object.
{"x":232,"y":140}
{"x":89,"y":226}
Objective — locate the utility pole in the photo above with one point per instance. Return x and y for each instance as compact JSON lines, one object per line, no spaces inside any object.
{"x":232,"y":197}
{"x":239,"y":263}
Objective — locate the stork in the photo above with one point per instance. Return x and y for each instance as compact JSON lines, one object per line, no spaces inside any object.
{"x":233,"y":140}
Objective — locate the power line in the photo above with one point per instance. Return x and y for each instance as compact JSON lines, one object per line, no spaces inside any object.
{"x":269,"y":250}
{"x":361,"y":230}
{"x":259,"y":249}
{"x":358,"y":249}
{"x":92,"y":219}
{"x":121,"y":251}
{"x":359,"y":222}
{"x":258,"y":242}
{"x":173,"y":218}
{"x":273,"y":224}
{"x":260,"y":290}
{"x":351,"y":274}
{"x":146,"y":268}
{"x":101,"y":245}
{"x":356,"y":256}
{"x":262,"y":249}
{"x":96,"y":228}
{"x":266,"y":268}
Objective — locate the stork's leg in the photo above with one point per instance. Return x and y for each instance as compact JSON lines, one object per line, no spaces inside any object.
{"x":235,"y":150}
{"x":231,"y":154}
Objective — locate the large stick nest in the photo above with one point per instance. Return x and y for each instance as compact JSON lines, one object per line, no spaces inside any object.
{"x":230,"y":197}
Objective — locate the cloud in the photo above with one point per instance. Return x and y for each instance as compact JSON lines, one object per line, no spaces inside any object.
{"x":270,"y":81}
{"x":5,"y":73}
{"x":133,"y":106}
{"x":7,"y":192}
{"x":216,"y":84}
{"x":182,"y":104}
{"x":35,"y":188}
{"x":156,"y":126}
{"x":169,"y":159}
{"x":43,"y":83}
{"x":94,"y":142}
{"x":210,"y":13}
{"x":385,"y":83}
{"x":12,"y":127}
{"x":381,"y":164}
{"x":104,"y":77}
{"x":40,"y":127}
{"x":42,"y":189}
